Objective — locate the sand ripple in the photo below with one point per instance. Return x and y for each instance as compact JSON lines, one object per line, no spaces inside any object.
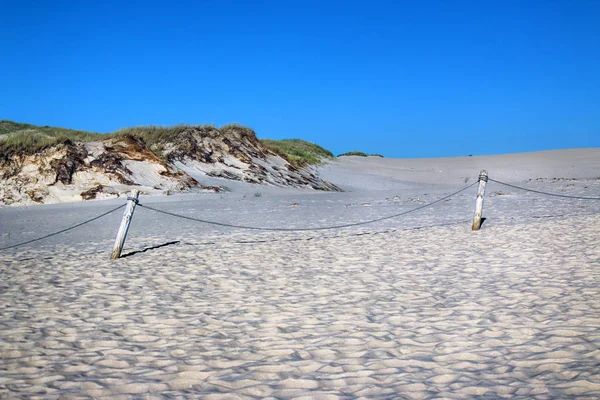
{"x":510,"y":311}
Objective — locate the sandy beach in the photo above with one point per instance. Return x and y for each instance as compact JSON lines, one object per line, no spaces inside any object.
{"x":413,"y":307}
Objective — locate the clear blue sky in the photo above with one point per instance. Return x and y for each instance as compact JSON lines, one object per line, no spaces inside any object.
{"x":405,"y":79}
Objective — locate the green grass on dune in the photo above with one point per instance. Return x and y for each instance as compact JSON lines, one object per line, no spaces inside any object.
{"x":360,"y":154}
{"x":298,"y":152}
{"x":26,"y":139}
{"x":354,"y":153}
{"x":155,"y":135}
{"x":18,"y":138}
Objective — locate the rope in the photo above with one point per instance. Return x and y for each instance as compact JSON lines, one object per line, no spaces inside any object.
{"x":306,"y":229}
{"x":547,"y":194}
{"x":136,"y":201}
{"x":415,"y":228}
{"x":63,"y":230}
{"x":300,"y":239}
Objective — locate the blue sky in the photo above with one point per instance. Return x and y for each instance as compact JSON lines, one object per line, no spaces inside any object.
{"x":404,"y":79}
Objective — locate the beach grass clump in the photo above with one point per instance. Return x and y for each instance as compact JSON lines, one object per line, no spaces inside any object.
{"x":359,"y":154}
{"x":156,"y":135}
{"x":19,"y":138}
{"x":27,"y":139}
{"x":298,"y":152}
{"x":354,"y":153}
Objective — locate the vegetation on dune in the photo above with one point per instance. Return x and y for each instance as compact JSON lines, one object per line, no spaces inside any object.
{"x":19,"y":138}
{"x":354,"y":153}
{"x":152,"y":134}
{"x":360,"y":154}
{"x":298,"y":152}
{"x":155,"y":137}
{"x":27,"y":139}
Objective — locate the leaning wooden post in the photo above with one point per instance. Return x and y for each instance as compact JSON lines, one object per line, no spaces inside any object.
{"x":127,"y":215}
{"x":483,"y":178}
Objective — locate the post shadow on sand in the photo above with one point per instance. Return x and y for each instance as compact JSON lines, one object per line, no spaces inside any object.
{"x":150,"y":248}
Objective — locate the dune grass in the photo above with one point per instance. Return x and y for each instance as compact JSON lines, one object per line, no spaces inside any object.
{"x":25,"y":139}
{"x":359,"y":154}
{"x":298,"y":152}
{"x":154,"y":136}
{"x":19,"y":138}
{"x":354,"y":153}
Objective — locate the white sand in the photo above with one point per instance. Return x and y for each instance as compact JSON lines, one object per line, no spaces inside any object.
{"x":418,"y":306}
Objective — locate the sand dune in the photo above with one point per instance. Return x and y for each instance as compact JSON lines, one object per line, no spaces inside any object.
{"x":415,"y":307}
{"x":377,"y":173}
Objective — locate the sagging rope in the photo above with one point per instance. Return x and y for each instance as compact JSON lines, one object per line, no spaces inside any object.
{"x":237,"y":226}
{"x":322,"y":228}
{"x":544,"y":193}
{"x":295,"y":229}
{"x":63,"y":230}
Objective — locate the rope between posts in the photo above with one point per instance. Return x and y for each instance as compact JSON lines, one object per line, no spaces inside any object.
{"x":545,"y":193}
{"x":322,"y":228}
{"x":136,"y":201}
{"x":63,"y":230}
{"x":300,"y":239}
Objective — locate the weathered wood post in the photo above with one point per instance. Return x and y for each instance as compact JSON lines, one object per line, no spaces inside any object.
{"x":127,"y":215}
{"x":483,"y":178}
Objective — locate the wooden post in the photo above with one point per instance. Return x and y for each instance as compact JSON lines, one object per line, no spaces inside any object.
{"x":127,"y":215}
{"x":483,"y":178}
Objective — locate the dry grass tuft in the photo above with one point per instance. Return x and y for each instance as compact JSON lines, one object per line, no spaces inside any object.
{"x":25,"y":139}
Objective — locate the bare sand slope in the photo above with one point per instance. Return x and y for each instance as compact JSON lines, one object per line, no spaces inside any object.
{"x":360,"y":173}
{"x":414,"y":307}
